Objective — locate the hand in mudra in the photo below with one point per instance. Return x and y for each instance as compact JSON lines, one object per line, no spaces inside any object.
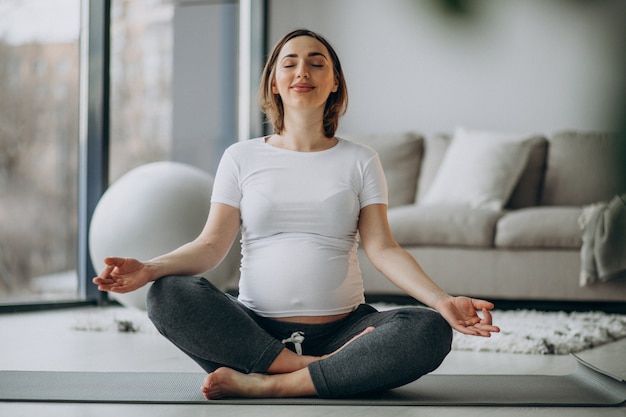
{"x":122,"y":275}
{"x":461,"y":314}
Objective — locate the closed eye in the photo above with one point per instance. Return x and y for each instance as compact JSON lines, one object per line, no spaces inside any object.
{"x":315,"y":59}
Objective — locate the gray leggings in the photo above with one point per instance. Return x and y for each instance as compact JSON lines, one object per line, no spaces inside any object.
{"x":215,"y":330}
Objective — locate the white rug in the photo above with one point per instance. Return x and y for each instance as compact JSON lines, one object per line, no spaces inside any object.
{"x":522,"y":331}
{"x":543,"y":333}
{"x":546,"y":333}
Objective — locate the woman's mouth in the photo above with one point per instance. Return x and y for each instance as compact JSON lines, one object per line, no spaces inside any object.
{"x":302,"y":88}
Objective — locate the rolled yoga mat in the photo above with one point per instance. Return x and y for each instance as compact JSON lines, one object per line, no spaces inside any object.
{"x":586,"y":386}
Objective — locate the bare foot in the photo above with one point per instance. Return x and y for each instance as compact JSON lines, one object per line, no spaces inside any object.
{"x":226,"y":382}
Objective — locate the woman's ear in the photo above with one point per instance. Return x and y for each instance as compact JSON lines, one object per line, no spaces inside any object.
{"x":274,"y":88}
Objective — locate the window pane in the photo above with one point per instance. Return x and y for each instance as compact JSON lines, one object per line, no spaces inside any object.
{"x":141,"y":80}
{"x":39,"y":78}
{"x":173,"y":82}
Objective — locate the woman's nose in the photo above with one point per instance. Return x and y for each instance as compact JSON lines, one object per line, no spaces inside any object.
{"x":303,"y":71}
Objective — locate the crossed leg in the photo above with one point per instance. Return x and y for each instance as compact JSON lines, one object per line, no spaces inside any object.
{"x":288,"y":377}
{"x":243,"y":359}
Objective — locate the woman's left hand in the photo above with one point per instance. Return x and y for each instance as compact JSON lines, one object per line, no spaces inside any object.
{"x":461,"y":314}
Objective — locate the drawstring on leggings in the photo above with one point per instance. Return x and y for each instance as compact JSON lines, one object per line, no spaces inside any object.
{"x":296,"y":338}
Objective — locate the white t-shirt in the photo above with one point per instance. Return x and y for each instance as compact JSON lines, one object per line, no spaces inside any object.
{"x":299,"y":214}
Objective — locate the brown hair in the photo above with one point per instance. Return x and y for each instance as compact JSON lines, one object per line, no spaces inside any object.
{"x":271,"y":104}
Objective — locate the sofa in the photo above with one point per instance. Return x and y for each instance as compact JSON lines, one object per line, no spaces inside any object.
{"x":486,"y":214}
{"x":523,"y":242}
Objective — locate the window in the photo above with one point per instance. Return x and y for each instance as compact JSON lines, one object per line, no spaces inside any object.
{"x":39,"y":80}
{"x":173,"y":82}
{"x":141,"y":83}
{"x":171,"y":93}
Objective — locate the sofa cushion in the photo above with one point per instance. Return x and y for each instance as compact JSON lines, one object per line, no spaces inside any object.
{"x":480,"y":170}
{"x":401,"y":156}
{"x":528,"y":189}
{"x":443,"y":226}
{"x":540,"y":227}
{"x":525,"y":194}
{"x":582,"y":169}
{"x":435,"y":148}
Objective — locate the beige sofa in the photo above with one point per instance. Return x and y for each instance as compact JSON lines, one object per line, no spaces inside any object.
{"x":527,"y":249}
{"x":524,"y":245}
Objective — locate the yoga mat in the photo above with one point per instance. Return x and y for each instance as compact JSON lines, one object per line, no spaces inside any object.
{"x":584,"y":387}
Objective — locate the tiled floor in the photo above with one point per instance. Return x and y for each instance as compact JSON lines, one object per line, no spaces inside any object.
{"x":47,"y":341}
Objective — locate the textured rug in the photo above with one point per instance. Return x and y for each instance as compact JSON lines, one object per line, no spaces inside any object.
{"x":544,"y":333}
{"x":522,"y":331}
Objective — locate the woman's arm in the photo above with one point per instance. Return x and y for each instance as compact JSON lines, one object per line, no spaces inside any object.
{"x":404,"y":271}
{"x":200,"y":255}
{"x":206,"y":251}
{"x":392,"y":260}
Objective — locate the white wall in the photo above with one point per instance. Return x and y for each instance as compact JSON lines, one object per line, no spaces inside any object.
{"x":515,"y":66}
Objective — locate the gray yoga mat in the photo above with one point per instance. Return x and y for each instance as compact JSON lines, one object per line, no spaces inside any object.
{"x":584,"y":387}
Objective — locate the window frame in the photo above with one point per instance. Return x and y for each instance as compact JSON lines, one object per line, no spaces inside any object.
{"x":93,"y":149}
{"x":93,"y":171}
{"x":94,"y":140}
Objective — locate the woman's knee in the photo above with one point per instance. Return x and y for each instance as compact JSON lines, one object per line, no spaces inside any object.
{"x":439,"y":335}
{"x":437,"y":327}
{"x":440,"y":325}
{"x":171,"y":295}
{"x":431,"y":332}
{"x":156,"y":300}
{"x":158,"y":291}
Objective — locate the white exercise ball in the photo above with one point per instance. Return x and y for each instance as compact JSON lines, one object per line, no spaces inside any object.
{"x":149,"y":211}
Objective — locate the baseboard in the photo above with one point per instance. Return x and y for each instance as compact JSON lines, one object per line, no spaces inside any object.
{"x":611,"y":307}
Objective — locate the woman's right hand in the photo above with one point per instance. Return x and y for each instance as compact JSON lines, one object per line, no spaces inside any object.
{"x":122,"y":275}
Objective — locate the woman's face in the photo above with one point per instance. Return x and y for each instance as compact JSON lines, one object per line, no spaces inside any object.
{"x":304,"y":75}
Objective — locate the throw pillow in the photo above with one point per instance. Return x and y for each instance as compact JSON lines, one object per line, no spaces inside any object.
{"x":479,"y":170}
{"x":401,"y":155}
